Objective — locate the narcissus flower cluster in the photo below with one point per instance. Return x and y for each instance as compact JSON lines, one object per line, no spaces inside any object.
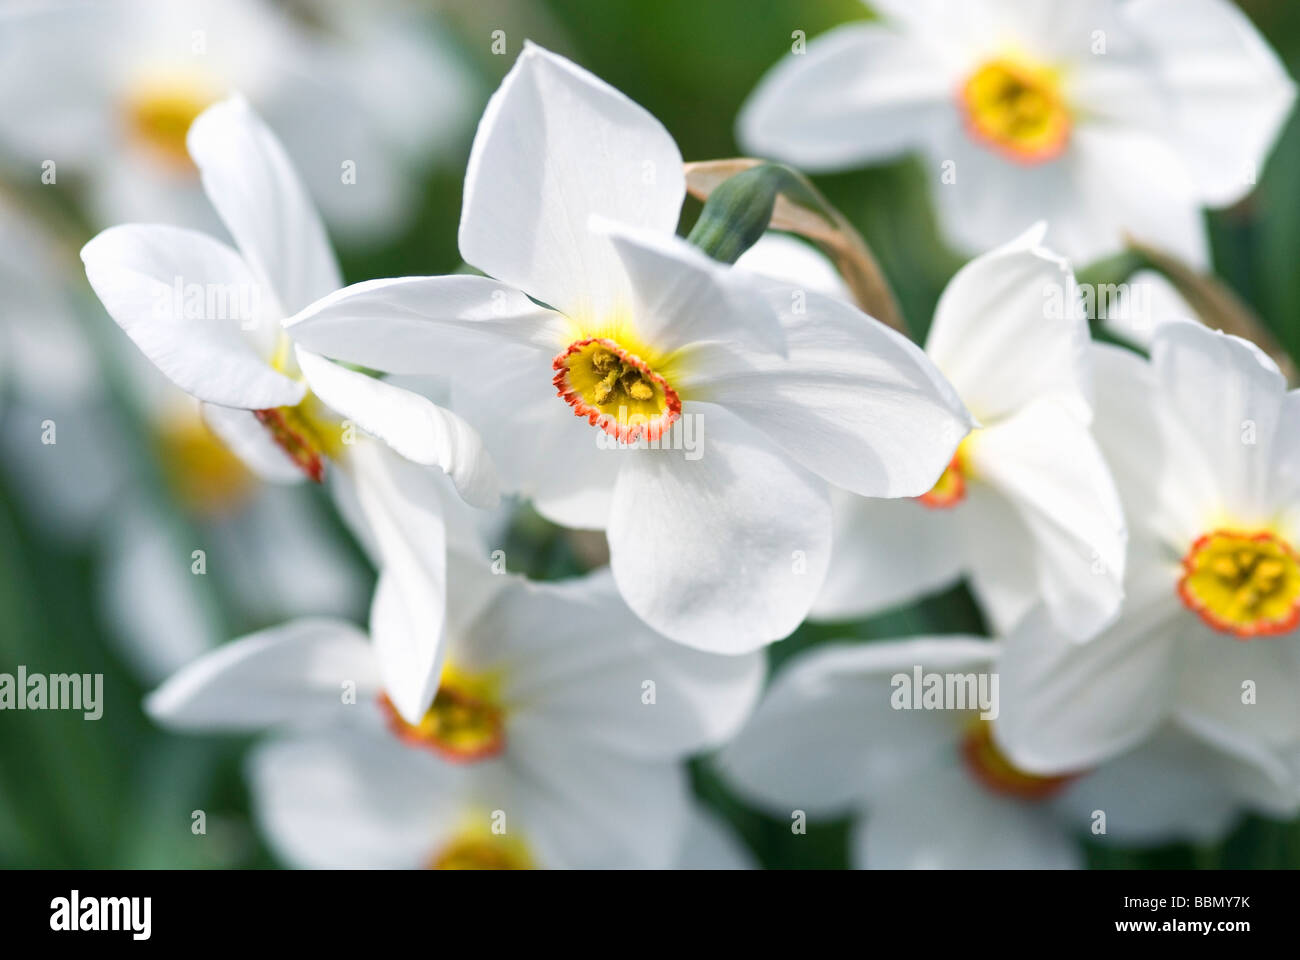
{"x":737,"y":448}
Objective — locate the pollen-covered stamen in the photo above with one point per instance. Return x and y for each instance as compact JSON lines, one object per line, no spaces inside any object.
{"x":615,"y":390}
{"x":1245,"y":584}
{"x":465,"y":723}
{"x":990,"y":766}
{"x":1017,"y":109}
{"x":479,"y":849}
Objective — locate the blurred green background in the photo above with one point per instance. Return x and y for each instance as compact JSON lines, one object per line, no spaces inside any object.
{"x":118,"y":792}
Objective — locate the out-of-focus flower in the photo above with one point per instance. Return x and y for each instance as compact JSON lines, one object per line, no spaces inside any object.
{"x":719,"y":537}
{"x":840,"y":733}
{"x":1101,"y":117}
{"x":60,"y":444}
{"x":555,"y":738}
{"x":1027,"y":510}
{"x":1204,"y":442}
{"x":268,"y":546}
{"x":209,"y":317}
{"x":369,"y":100}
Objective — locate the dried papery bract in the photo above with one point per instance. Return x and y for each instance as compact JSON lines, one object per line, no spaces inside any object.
{"x":826,"y":227}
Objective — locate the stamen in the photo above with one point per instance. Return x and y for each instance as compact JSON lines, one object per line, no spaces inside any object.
{"x":616,"y":390}
{"x":464,"y":724}
{"x":1244,"y":584}
{"x":1017,"y":109}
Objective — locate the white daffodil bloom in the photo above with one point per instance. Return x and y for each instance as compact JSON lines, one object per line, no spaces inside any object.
{"x":1027,"y":510}
{"x":555,"y":738}
{"x":863,"y":729}
{"x":1103,"y":117}
{"x":208,"y":315}
{"x":120,"y":81}
{"x":1204,"y":441}
{"x":624,"y":381}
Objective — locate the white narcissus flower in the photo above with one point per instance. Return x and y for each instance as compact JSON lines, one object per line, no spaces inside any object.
{"x":1103,"y":117}
{"x":555,"y":739}
{"x":1027,"y":510}
{"x":209,"y":316}
{"x":848,"y":729}
{"x":626,"y":382}
{"x":1204,"y":442}
{"x":121,"y":81}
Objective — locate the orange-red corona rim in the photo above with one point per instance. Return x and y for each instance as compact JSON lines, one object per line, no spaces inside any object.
{"x":1242,"y":583}
{"x":615,"y":390}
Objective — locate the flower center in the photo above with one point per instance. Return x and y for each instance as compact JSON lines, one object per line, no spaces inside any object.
{"x":1017,"y":109}
{"x":159,"y":111}
{"x":1246,"y":584}
{"x":615,"y":390}
{"x":308,"y":433}
{"x":464,"y":724}
{"x":206,"y":477}
{"x":990,"y":766}
{"x":478,"y":849}
{"x":950,"y":489}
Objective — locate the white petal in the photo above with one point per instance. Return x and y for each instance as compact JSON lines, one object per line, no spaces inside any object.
{"x":784,"y":257}
{"x":351,"y":799}
{"x":1128,"y":182}
{"x":542,"y":450}
{"x":588,"y":808}
{"x":1217,"y":668}
{"x":1166,"y":480}
{"x":855,"y":402}
{"x":827,"y":736}
{"x":885,"y":552}
{"x":556,"y":145}
{"x":1172,"y":787}
{"x":1001,"y":557}
{"x":1044,"y":461}
{"x":1143,"y":304}
{"x":263,"y":204}
{"x":711,"y":844}
{"x":1068,"y":706}
{"x":145,"y":276}
{"x":249,"y":440}
{"x":679,"y":296}
{"x":577,"y":662}
{"x":725,"y":552}
{"x":1007,"y":330}
{"x":408,"y":613}
{"x":1113,"y":180}
{"x":427,"y":325}
{"x":1230,"y":394}
{"x":413,"y":426}
{"x":862,"y":93}
{"x":1231,"y":94}
{"x":941,"y":819}
{"x":297,"y":673}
